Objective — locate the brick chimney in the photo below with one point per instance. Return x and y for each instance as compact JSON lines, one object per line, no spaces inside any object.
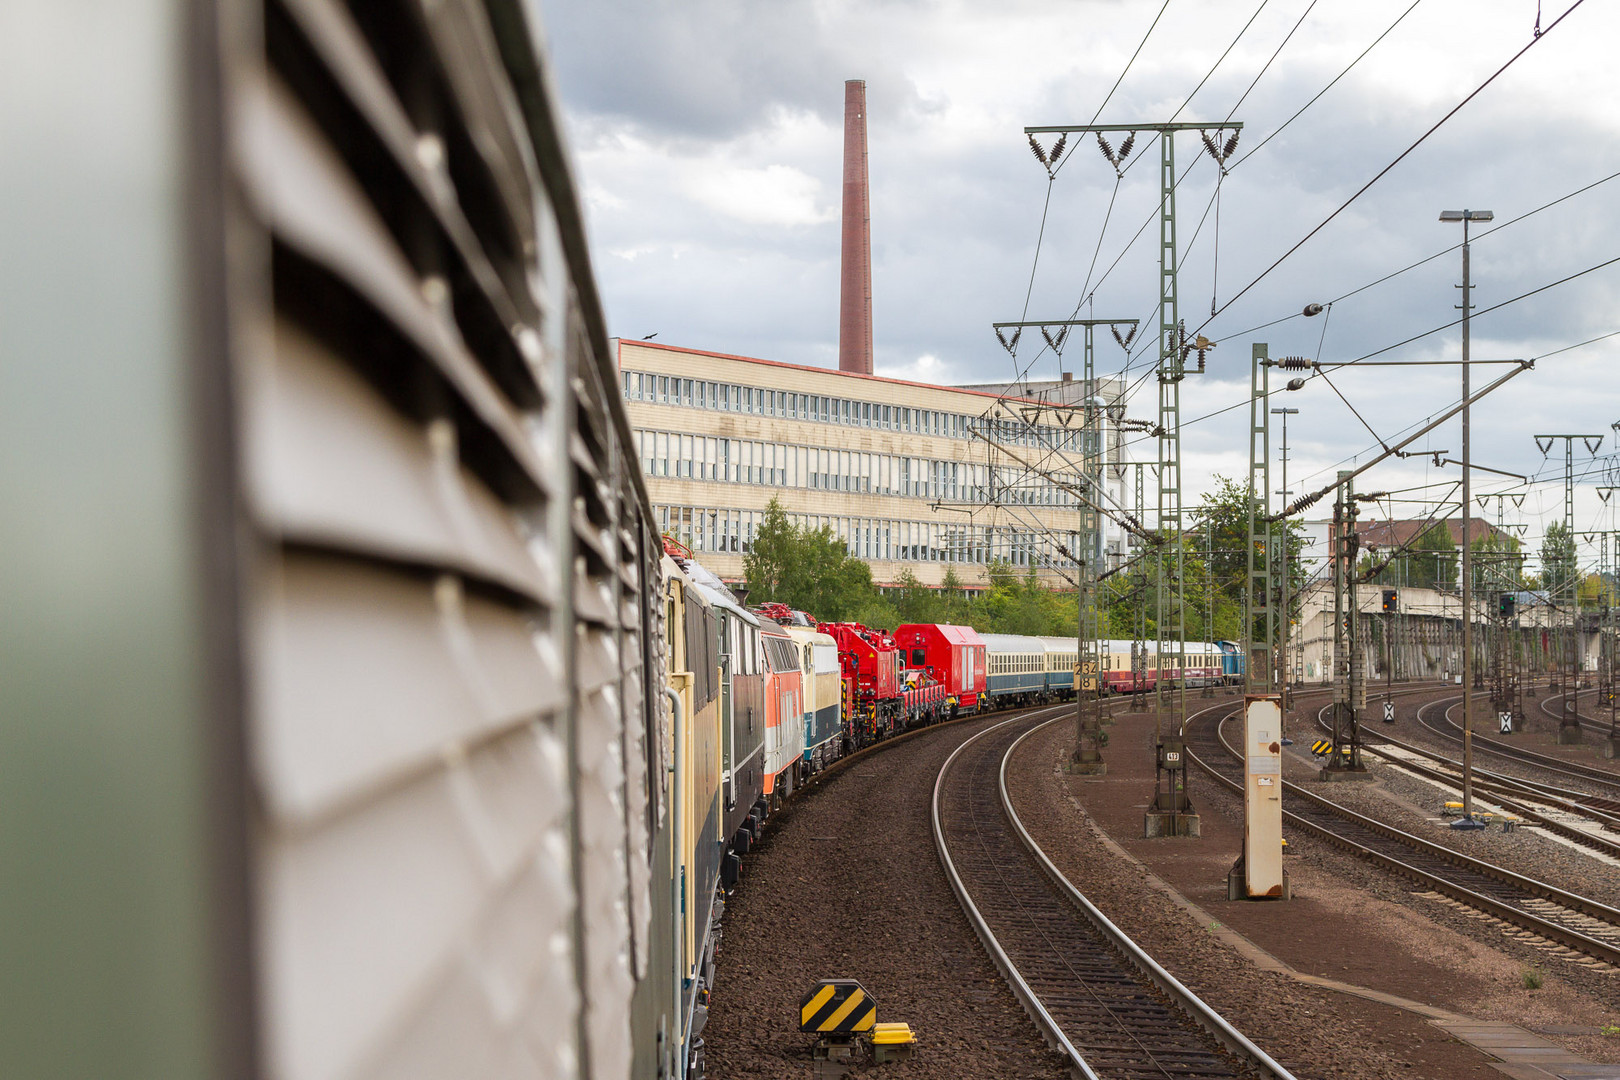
{"x":855,"y":292}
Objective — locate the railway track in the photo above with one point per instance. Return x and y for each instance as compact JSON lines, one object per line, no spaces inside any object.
{"x":1605,"y":781}
{"x":1565,"y":919}
{"x":1095,"y":995}
{"x":1554,"y":810}
{"x":1592,"y":724}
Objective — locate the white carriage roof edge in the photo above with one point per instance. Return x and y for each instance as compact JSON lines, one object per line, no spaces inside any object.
{"x":1015,"y":641}
{"x":811,"y":634}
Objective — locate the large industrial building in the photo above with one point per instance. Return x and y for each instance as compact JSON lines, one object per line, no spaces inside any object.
{"x":909,"y":476}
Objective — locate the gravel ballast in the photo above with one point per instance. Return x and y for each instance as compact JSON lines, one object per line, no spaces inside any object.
{"x":847,"y":884}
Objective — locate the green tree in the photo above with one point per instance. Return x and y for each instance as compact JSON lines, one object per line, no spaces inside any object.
{"x":1498,"y":564}
{"x":955,"y":604}
{"x":915,"y":602}
{"x":1558,"y":559}
{"x":810,"y":569}
{"x":1431,"y":560}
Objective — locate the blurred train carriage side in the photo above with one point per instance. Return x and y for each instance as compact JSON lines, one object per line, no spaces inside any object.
{"x":358,"y":722}
{"x":337,"y":740}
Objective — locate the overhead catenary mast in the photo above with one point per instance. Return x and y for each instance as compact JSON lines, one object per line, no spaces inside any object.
{"x":1170,"y":813}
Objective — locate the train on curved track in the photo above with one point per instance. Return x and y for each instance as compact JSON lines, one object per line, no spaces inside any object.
{"x":361,"y":723}
{"x":781,"y":696}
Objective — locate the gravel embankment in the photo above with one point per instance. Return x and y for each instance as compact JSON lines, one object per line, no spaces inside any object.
{"x":847,"y":884}
{"x":1315,"y":1033}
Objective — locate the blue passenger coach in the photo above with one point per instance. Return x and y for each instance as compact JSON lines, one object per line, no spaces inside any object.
{"x":1017,"y":666}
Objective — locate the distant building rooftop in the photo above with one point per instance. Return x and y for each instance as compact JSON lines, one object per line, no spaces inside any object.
{"x":1400,"y":531}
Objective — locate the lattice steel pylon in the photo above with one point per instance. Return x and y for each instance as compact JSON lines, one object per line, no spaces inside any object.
{"x":1088,"y":678}
{"x":1502,"y":576}
{"x":1259,"y":613}
{"x":1608,"y":684}
{"x":1568,"y":595}
{"x":1170,"y":626}
{"x":1349,"y":685}
{"x":1170,"y":629}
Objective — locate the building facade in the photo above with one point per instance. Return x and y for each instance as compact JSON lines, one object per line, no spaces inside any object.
{"x":907,"y":475}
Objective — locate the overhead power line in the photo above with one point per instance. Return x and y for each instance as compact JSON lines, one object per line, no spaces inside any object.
{"x":1484,"y":311}
{"x":1090,"y":289}
{"x":1284,"y":125}
{"x":1427,"y":258}
{"x":1398,"y":159}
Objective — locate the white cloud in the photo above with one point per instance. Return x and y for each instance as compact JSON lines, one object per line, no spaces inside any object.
{"x":773,"y":195}
{"x":712,"y":164}
{"x":926,"y":368}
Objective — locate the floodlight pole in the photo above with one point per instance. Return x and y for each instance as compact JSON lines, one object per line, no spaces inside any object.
{"x":1465,"y":216}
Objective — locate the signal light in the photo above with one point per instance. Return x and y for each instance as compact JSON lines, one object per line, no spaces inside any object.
{"x":1390,"y":599}
{"x":1504,"y":605}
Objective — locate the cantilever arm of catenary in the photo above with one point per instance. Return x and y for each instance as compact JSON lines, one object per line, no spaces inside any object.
{"x":1305,"y":501}
{"x":1119,"y":515}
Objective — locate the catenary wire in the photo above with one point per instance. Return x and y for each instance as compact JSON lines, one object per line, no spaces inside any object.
{"x":1398,"y":159}
{"x":1429,"y":258}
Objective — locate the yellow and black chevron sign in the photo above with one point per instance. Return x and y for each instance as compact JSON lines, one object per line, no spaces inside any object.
{"x":1322,"y":746}
{"x":837,"y":1007}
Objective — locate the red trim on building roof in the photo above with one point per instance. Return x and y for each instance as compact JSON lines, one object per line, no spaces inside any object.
{"x":817,"y":370}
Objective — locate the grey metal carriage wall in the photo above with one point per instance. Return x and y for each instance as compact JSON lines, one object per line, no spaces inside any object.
{"x":332,"y":734}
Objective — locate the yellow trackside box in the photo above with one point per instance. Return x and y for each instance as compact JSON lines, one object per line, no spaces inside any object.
{"x":837,"y":1007}
{"x":892,"y":1042}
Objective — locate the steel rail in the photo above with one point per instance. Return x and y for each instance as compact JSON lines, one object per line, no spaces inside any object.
{"x":1049,"y":1028}
{"x":1574,"y":770}
{"x":1545,"y":761}
{"x":1504,"y":790}
{"x":1507,"y":912}
{"x":1194,"y":1006}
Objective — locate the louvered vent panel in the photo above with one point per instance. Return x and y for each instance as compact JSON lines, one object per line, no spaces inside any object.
{"x":449,"y":648}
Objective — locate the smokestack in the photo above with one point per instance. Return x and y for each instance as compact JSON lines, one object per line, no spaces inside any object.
{"x":855,"y":293}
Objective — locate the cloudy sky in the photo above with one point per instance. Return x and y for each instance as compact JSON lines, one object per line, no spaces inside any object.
{"x":708,"y":137}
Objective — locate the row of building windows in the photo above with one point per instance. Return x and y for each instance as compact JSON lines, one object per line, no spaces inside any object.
{"x":731,"y":531}
{"x":654,"y":389}
{"x":746,"y":461}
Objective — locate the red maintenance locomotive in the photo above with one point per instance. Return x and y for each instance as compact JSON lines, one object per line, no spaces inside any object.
{"x":880,"y":695}
{"x":953,"y":656}
{"x":890,"y":682}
